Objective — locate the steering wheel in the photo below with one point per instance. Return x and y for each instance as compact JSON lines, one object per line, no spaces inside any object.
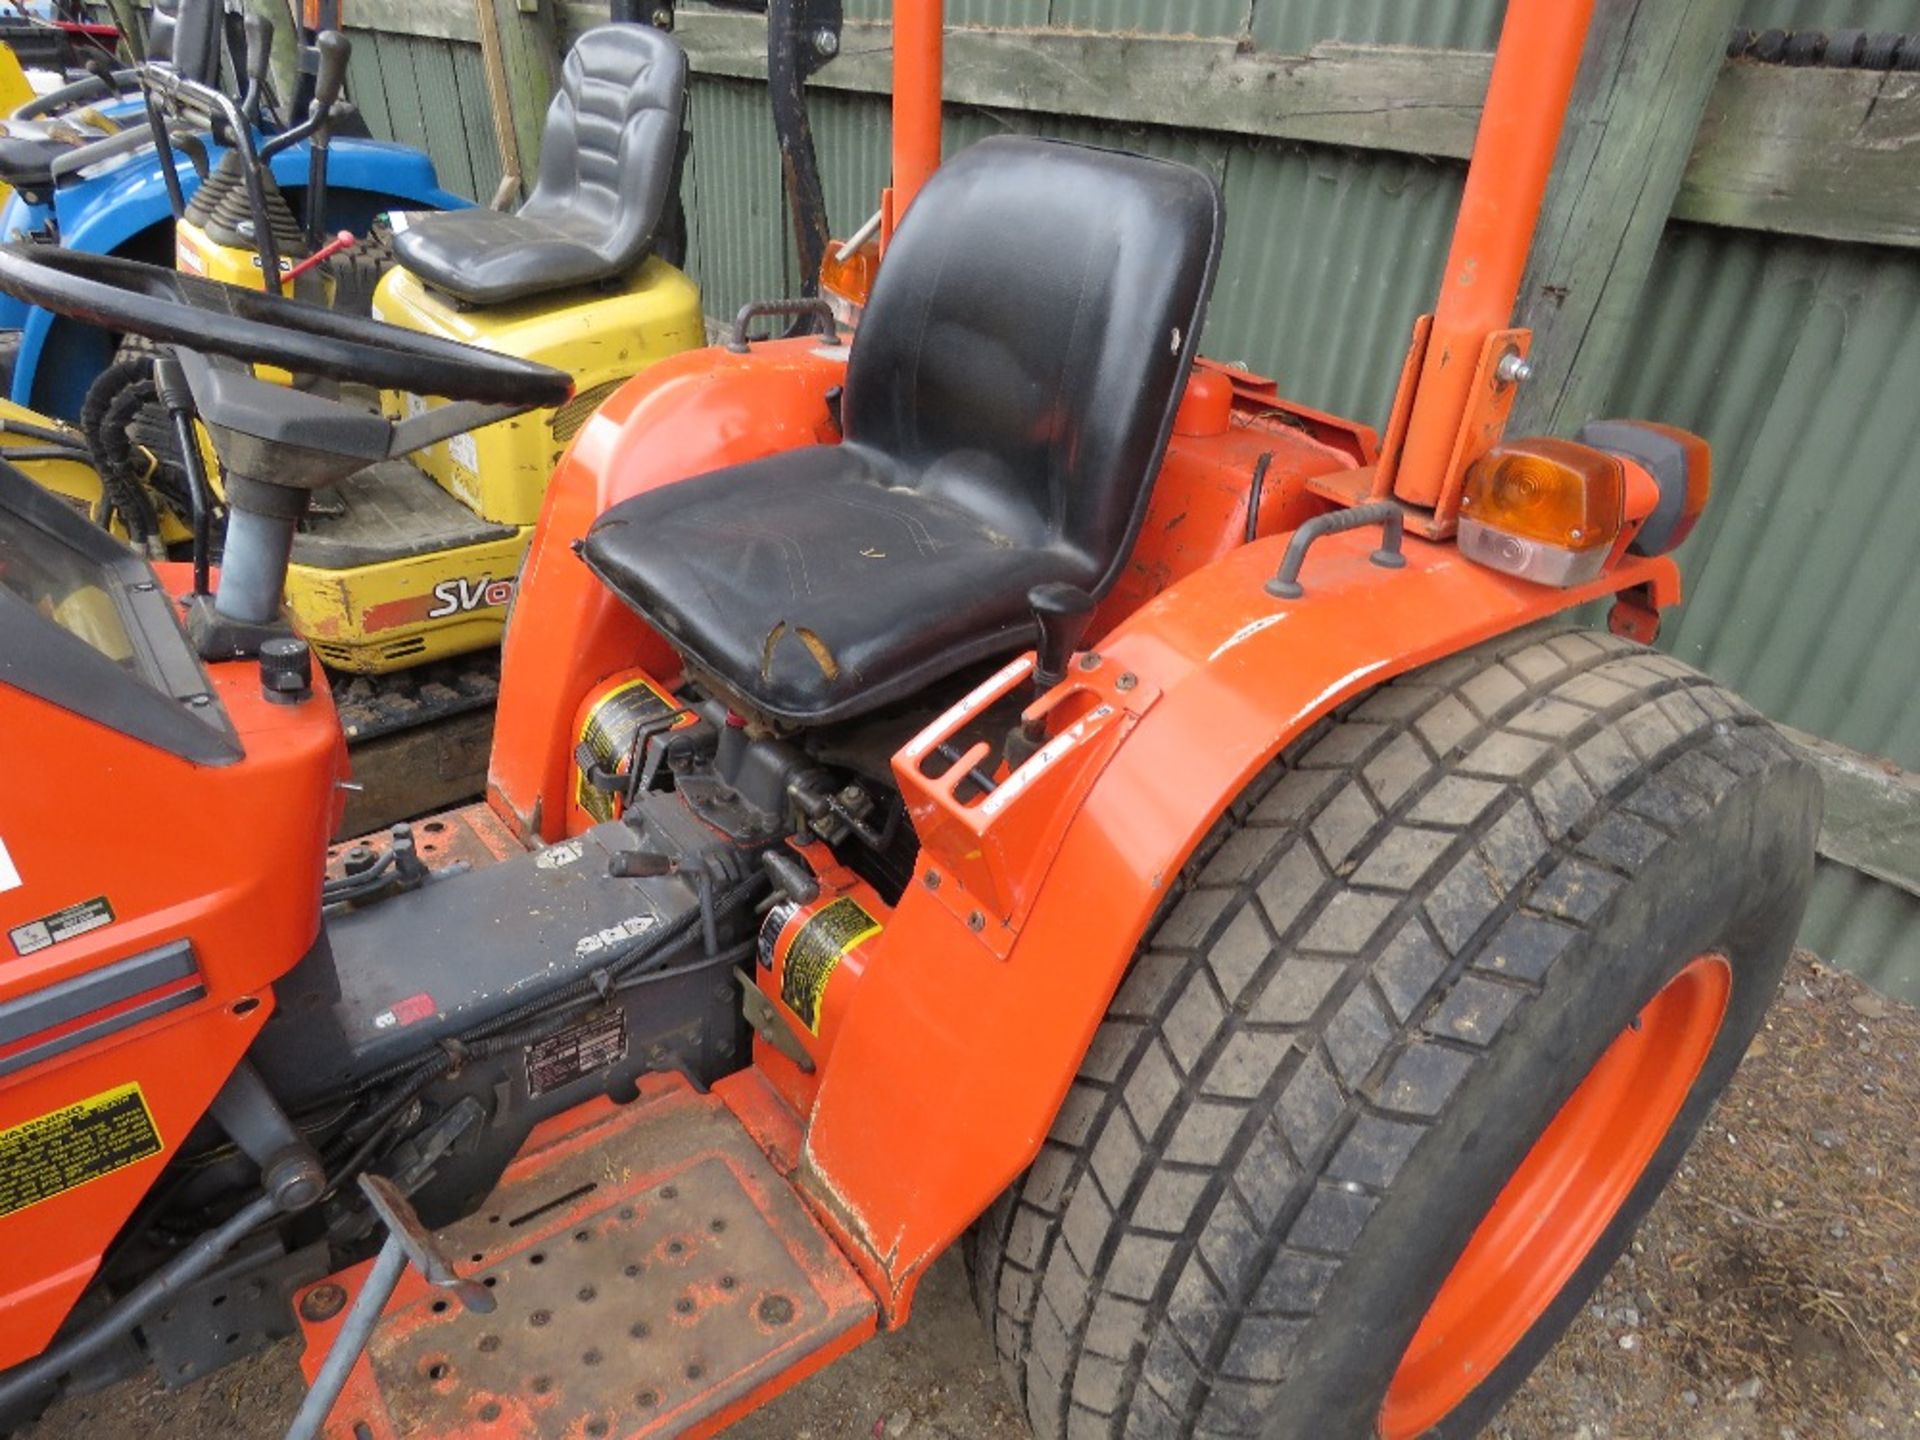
{"x":251,"y":325}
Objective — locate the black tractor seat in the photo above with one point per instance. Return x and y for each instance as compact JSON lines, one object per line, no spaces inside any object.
{"x":607,"y":162}
{"x":1008,"y":400}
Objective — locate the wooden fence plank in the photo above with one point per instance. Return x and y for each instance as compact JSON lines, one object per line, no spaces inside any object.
{"x":394,"y":53}
{"x":1829,"y":153}
{"x":1796,"y":151}
{"x":1379,"y":97}
{"x":1643,"y":83}
{"x":1871,"y":819}
{"x":366,"y":86}
{"x":482,"y":148}
{"x":450,"y":132}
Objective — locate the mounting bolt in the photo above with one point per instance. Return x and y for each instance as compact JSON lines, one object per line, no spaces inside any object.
{"x":1513,"y":369}
{"x":1090,"y":660}
{"x":932,"y":880}
{"x":976,"y":922}
{"x":323,"y":1302}
{"x":663,"y":18}
{"x":826,"y":42}
{"x":1126,"y":681}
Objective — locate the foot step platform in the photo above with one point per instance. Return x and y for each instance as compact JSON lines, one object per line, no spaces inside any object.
{"x":654,"y":1275}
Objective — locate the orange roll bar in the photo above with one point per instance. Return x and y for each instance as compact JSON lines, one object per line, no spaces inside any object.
{"x":1533,"y":70}
{"x":916,"y":98}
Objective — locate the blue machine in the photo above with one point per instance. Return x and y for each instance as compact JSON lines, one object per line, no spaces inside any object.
{"x":121,"y":205}
{"x":126,"y":211}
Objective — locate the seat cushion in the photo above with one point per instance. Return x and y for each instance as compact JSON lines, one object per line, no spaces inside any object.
{"x":816,"y":586}
{"x":488,"y":258}
{"x":27,"y":152}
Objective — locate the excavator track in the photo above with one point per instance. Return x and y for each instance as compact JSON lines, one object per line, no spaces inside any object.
{"x":417,"y":739}
{"x":374,"y":706}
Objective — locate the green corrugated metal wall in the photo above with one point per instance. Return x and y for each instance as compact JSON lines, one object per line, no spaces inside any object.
{"x":431,"y":94}
{"x":1799,"y":361}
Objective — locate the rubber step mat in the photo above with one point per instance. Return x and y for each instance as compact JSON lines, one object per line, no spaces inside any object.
{"x":389,"y":511}
{"x":654,"y":1274}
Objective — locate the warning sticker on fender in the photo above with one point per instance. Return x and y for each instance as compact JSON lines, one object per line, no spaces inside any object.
{"x":65,"y":1149}
{"x":61,"y":925}
{"x":816,"y":952}
{"x":607,"y":737}
{"x":595,"y":1043}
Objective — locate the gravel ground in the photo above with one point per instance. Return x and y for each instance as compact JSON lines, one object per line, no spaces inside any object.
{"x":1774,"y":1292}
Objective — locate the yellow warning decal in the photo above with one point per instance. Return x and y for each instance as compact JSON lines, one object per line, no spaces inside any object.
{"x":816,"y":952}
{"x":606,"y":739}
{"x":65,"y":1149}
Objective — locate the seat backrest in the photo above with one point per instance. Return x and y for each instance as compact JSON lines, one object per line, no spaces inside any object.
{"x":608,"y":154}
{"x":187,"y":34}
{"x":1035,"y":318}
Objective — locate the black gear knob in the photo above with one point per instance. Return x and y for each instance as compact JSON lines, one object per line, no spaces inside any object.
{"x":1062,"y":612}
{"x":330,"y":75}
{"x":286,"y":669}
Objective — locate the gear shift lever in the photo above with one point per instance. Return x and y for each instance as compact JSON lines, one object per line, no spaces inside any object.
{"x":1062,"y":613}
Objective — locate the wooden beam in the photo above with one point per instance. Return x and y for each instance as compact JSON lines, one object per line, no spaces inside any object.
{"x":1644,"y":79}
{"x":415,"y":772}
{"x":425,"y":19}
{"x":285,"y":68}
{"x":1417,"y":101}
{"x":1828,"y":153}
{"x":1872,"y":816}
{"x":1796,"y":151}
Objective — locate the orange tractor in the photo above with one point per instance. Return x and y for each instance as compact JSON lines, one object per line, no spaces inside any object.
{"x":999,"y":782}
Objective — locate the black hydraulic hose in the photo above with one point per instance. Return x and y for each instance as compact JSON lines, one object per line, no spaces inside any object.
{"x":170,"y":385}
{"x":66,"y":439}
{"x":103,"y":422}
{"x":19,"y":1383}
{"x":1256,"y":488}
{"x":360,"y":882}
{"x":43,"y":452}
{"x":199,"y":500}
{"x":731,"y":955}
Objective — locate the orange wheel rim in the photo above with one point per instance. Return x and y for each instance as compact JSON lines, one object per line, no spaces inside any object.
{"x":1551,"y":1214}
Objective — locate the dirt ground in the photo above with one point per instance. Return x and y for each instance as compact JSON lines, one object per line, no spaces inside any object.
{"x":1774,"y":1292}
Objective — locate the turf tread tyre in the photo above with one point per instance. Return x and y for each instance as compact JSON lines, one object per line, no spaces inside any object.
{"x":1342,"y":953}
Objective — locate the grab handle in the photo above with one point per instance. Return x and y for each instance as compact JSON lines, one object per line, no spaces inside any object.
{"x":1385,"y":513}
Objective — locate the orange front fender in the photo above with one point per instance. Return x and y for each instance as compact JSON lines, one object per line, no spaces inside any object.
{"x":963,"y":1038}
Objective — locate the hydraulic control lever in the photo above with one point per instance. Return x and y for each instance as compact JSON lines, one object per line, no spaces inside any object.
{"x":331,"y":51}
{"x":1062,"y":613}
{"x":258,"y":30}
{"x":334,"y":49}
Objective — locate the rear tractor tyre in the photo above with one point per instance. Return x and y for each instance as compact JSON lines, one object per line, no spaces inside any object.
{"x":1428,"y":1025}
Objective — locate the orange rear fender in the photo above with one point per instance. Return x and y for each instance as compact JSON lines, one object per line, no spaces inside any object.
{"x":959,"y":1047}
{"x":689,"y":414}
